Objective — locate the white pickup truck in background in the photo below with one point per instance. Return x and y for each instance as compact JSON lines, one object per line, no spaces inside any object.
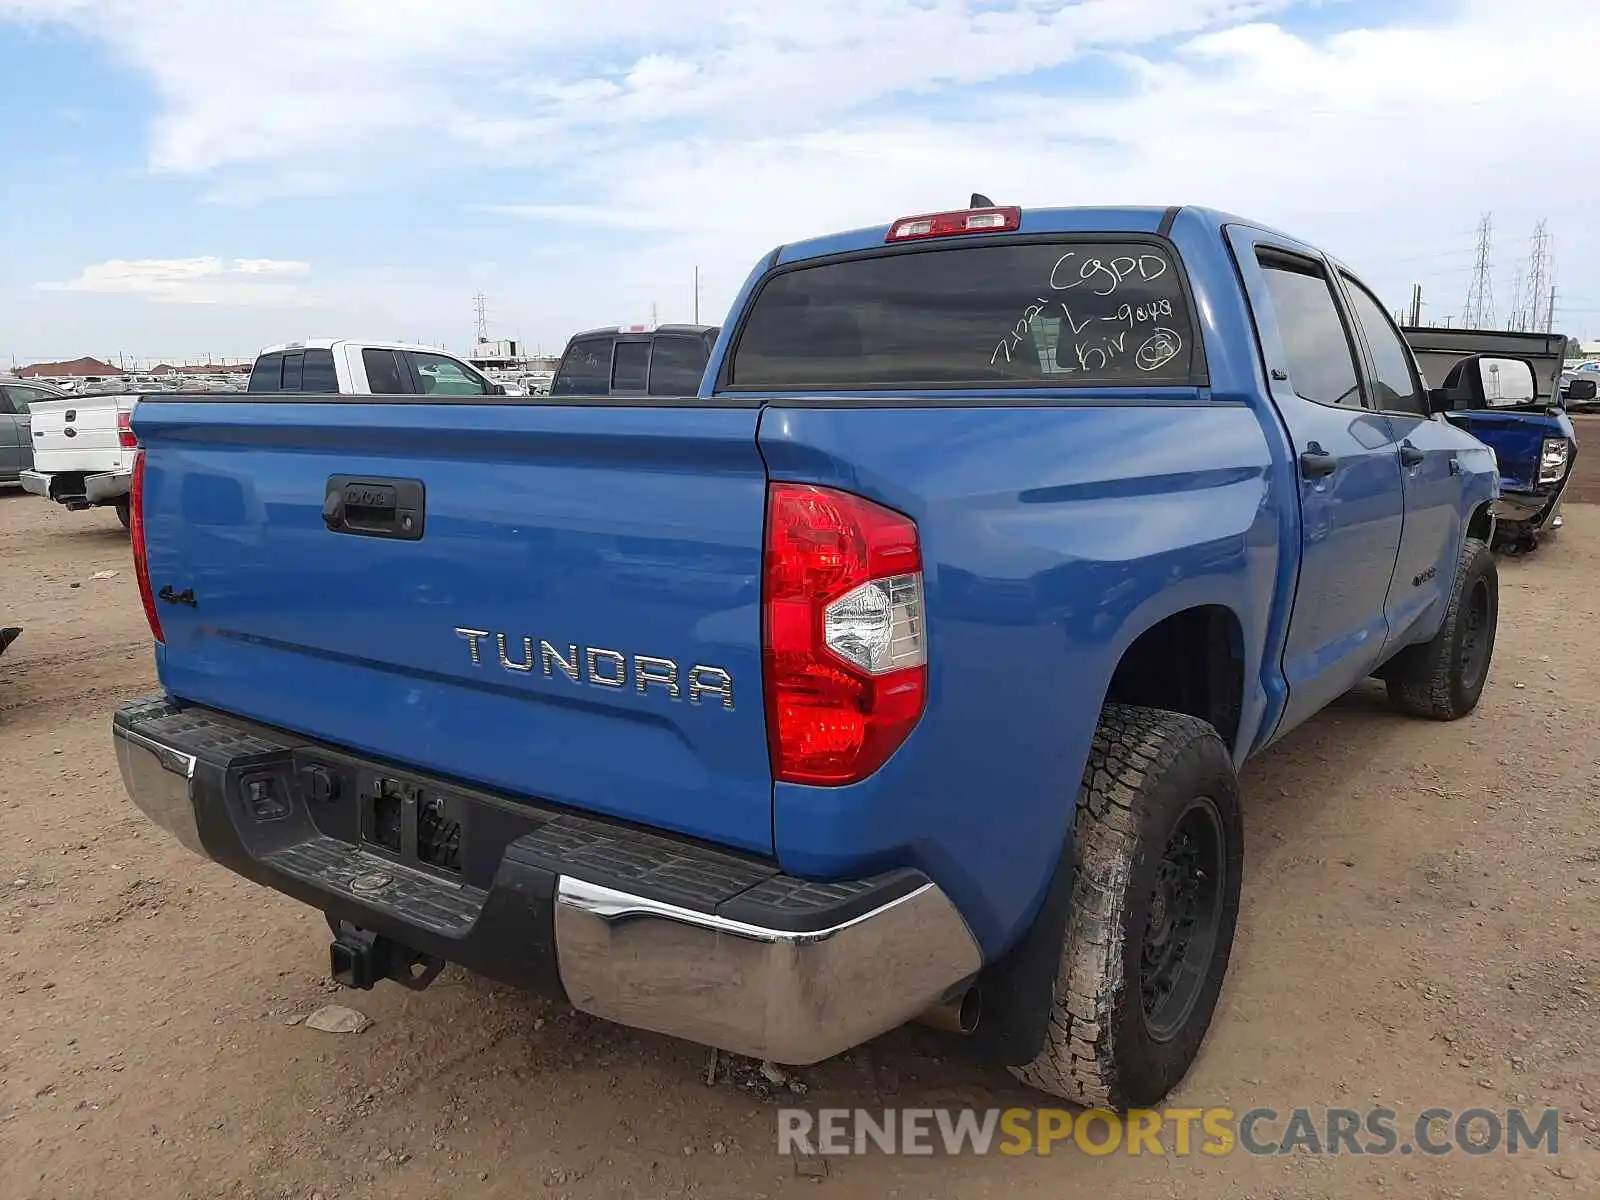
{"x":322,"y":366}
{"x":83,"y":452}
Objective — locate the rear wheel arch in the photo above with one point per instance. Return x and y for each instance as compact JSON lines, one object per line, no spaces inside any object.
{"x":1191,"y":662}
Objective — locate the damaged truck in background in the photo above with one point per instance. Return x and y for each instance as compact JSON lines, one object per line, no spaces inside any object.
{"x":1523,"y":420}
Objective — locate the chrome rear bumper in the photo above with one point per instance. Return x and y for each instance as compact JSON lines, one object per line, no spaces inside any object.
{"x":796,"y":988}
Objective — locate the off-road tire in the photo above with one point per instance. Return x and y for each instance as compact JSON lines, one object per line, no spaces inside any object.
{"x":1147,"y":769}
{"x":125,"y":512}
{"x":1443,"y":679}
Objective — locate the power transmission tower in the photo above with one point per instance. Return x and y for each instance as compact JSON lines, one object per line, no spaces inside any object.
{"x":480,"y":306}
{"x":1538,"y":277}
{"x":1514,"y":321}
{"x":1479,"y":312}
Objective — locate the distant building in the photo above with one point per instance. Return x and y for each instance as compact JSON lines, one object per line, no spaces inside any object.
{"x":78,"y":368}
{"x":504,"y":355}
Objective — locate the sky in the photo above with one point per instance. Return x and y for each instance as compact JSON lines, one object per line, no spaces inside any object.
{"x":193,"y":178}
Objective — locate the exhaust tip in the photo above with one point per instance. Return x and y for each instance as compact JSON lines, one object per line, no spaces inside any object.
{"x":959,"y":1015}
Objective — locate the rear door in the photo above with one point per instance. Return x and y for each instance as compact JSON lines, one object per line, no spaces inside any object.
{"x":1425,"y":567}
{"x":1351,"y":495}
{"x":23,"y":398}
{"x":11,"y":435}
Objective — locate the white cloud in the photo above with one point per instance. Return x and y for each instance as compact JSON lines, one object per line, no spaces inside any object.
{"x":207,"y":280}
{"x":673,"y":133}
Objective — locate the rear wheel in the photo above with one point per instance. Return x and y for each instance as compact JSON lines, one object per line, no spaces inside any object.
{"x":1443,"y":679}
{"x":1158,"y":857}
{"x":124,"y":512}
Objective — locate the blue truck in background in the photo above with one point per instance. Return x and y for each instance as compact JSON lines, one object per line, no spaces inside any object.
{"x":1525,"y":423}
{"x":901,"y":673}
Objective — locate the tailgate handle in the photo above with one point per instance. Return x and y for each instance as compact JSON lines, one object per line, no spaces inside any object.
{"x":367,"y":507}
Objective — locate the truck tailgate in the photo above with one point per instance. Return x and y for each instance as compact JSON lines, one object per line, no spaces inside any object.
{"x":78,"y":434}
{"x":578,"y":621}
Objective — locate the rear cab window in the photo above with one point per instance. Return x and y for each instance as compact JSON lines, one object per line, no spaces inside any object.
{"x":266,"y":375}
{"x":585,"y":369}
{"x":677,"y":364}
{"x":318,"y":374}
{"x":1067,"y":312}
{"x":630,"y":367}
{"x":294,"y":371}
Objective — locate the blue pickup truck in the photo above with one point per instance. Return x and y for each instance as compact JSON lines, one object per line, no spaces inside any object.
{"x":902,"y":673}
{"x":1523,"y":421}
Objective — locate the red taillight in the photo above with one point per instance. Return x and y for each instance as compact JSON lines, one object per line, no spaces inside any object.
{"x":953,"y":224}
{"x":846,"y":646}
{"x":141,"y":561}
{"x":125,"y":435}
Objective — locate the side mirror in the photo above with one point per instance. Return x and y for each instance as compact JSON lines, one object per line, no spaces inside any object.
{"x":1506,"y":382}
{"x":1579,"y":390}
{"x":497,"y":389}
{"x":1485,"y":381}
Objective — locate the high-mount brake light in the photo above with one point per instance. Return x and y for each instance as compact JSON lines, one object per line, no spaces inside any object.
{"x":126,"y":438}
{"x":141,"y":558}
{"x":846,"y":647}
{"x":954,"y":224}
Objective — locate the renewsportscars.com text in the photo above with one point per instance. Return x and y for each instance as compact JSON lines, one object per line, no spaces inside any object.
{"x":1172,"y":1131}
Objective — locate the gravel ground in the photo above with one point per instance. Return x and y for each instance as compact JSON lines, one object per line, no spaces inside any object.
{"x":1421,"y":925}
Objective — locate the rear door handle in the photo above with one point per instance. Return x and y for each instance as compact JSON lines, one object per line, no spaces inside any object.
{"x":1317,"y":463}
{"x":1410,"y":456}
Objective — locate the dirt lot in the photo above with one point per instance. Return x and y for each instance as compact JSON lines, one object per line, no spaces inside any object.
{"x":1421,"y":927}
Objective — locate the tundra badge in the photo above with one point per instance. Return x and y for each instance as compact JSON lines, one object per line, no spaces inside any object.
{"x":595,"y":667}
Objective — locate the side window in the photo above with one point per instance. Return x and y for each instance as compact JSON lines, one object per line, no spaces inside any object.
{"x":384,"y":376}
{"x":441,"y":376}
{"x":1394,"y":386}
{"x":318,"y":375}
{"x":1322,"y":363}
{"x":267,"y":374}
{"x":631,"y":366}
{"x":677,"y":365}
{"x":585,"y":368}
{"x":7,"y":405}
{"x":21,"y":398}
{"x":293,"y":371}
